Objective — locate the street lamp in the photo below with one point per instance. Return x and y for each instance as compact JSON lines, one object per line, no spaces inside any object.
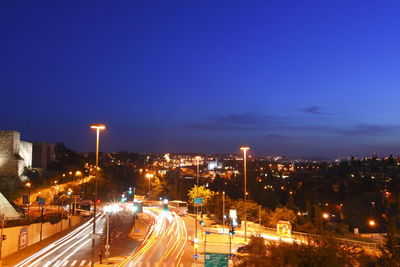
{"x":371,"y":224}
{"x":149,"y":176}
{"x":244,"y":149}
{"x":98,"y":127}
{"x":29,"y":196}
{"x":223,"y":211}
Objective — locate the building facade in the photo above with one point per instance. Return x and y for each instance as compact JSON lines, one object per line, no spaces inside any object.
{"x":43,"y":154}
{"x":15,"y":154}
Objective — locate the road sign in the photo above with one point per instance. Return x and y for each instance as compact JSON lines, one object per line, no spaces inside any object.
{"x":216,"y":260}
{"x":95,"y":236}
{"x":208,"y":232}
{"x":107,"y":253}
{"x":41,"y":200}
{"x":25,"y":199}
{"x":196,"y":256}
{"x":198,"y":200}
{"x":232,"y":214}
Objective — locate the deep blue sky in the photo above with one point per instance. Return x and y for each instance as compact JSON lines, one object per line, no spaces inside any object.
{"x":299,"y":78}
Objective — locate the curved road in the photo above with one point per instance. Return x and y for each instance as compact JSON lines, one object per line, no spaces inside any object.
{"x":164,"y":243}
{"x":71,"y":250}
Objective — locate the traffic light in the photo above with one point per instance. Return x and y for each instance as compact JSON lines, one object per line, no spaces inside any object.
{"x":196,"y":245}
{"x":4,"y":237}
{"x":232,"y":231}
{"x":165,"y":205}
{"x":202,"y":223}
{"x":135,"y":208}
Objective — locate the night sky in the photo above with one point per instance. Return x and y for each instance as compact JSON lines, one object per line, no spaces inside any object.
{"x":296,"y":78}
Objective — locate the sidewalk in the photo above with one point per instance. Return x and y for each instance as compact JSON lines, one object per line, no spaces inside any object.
{"x":139,"y":231}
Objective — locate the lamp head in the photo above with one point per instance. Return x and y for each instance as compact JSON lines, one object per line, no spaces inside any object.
{"x":98,"y":126}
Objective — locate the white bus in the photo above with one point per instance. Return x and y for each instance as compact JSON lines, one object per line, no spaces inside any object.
{"x":180,"y":207}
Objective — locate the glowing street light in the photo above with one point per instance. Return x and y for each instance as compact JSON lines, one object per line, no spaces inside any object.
{"x":97,"y":127}
{"x":244,"y":149}
{"x":371,"y":224}
{"x":28,"y":184}
{"x":149,"y":176}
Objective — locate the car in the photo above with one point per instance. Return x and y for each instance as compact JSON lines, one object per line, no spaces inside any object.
{"x":241,"y":249}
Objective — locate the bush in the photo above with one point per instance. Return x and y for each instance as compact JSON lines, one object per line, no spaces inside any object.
{"x":315,"y":253}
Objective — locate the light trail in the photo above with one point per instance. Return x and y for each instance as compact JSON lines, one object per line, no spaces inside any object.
{"x":164,"y":243}
{"x":63,"y":246}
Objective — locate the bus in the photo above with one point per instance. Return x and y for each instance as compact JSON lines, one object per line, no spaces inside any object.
{"x":180,"y":207}
{"x":87,"y":206}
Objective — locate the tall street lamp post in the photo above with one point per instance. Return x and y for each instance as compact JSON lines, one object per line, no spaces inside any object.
{"x":371,"y":224}
{"x":197,"y":189}
{"x":98,"y":127}
{"x":29,"y":196}
{"x":149,"y":176}
{"x":244,"y":149}
{"x":223,"y":211}
{"x":197,"y":207}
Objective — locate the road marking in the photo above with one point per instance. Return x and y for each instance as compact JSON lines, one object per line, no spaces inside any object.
{"x":82,"y":263}
{"x":74,"y":262}
{"x":46,"y":265}
{"x":65,"y":263}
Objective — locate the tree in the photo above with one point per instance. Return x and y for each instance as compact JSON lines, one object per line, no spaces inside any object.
{"x":326,"y":252}
{"x":202,"y":192}
{"x":390,"y":252}
{"x":257,"y":253}
{"x":284,"y":214}
{"x":252,"y":209}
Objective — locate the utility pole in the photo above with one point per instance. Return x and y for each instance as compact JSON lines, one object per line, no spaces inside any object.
{"x":259,"y":218}
{"x":230,"y":245}
{"x":197,"y":190}
{"x":41,"y":222}
{"x":107,"y":246}
{"x":245,"y":148}
{"x":134,"y":213}
{"x":223,"y":211}
{"x":2,"y":217}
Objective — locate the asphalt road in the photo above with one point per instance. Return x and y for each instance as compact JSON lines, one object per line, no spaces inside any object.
{"x":74,"y":249}
{"x":165,"y":243}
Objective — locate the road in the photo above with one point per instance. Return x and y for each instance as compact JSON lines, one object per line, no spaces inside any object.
{"x":74,"y":249}
{"x":164,"y":244}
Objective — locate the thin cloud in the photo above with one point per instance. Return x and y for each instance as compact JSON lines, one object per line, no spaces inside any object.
{"x":278,"y":137}
{"x":314,"y":110}
{"x":236,"y":122}
{"x":369,"y":129}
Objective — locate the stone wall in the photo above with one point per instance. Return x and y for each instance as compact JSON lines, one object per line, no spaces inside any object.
{"x":9,"y":153}
{"x":25,"y":152}
{"x":15,"y":154}
{"x":11,"y":244}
